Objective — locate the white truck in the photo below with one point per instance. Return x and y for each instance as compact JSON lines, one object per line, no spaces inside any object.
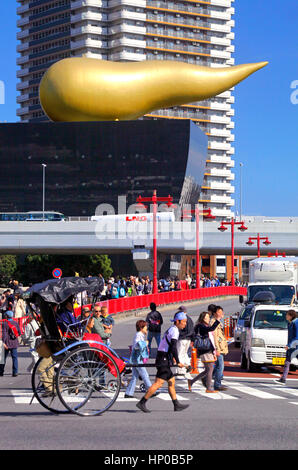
{"x":265,"y":336}
{"x":276,"y":275}
{"x":271,"y":292}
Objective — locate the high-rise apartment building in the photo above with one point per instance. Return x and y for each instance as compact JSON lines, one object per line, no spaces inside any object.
{"x":193,"y":31}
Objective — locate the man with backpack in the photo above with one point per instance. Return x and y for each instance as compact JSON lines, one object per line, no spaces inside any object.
{"x":154,"y":321}
{"x":167,"y":355}
{"x":10,"y":333}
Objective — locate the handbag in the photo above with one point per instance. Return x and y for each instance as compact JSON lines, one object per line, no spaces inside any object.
{"x":202,"y":345}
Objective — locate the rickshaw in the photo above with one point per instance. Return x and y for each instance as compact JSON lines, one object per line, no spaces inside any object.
{"x":76,"y":372}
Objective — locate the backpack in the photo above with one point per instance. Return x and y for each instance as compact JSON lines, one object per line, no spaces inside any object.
{"x":13,"y":331}
{"x":122,"y":292}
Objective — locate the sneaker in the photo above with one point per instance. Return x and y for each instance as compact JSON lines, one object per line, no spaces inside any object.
{"x":211,"y":391}
{"x":142,"y":406}
{"x":221,"y":388}
{"x":15,"y":375}
{"x":128,"y":396}
{"x":280,"y":381}
{"x":179,"y":407}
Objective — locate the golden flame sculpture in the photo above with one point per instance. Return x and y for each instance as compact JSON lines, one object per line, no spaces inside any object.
{"x":83,"y":89}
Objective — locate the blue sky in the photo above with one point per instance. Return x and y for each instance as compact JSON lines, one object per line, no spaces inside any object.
{"x":265,"y":118}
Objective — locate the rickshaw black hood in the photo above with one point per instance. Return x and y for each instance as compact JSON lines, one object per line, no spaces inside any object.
{"x":57,"y":291}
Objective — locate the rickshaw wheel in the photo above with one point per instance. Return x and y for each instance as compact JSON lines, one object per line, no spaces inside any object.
{"x":44,"y":387}
{"x":83,"y":381}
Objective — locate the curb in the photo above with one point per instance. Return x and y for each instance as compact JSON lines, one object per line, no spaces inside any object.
{"x":140,"y":312}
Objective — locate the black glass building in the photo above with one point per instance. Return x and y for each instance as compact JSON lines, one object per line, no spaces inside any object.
{"x":93,"y":163}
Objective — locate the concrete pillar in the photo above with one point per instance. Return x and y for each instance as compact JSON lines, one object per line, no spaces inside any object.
{"x":143,"y":260}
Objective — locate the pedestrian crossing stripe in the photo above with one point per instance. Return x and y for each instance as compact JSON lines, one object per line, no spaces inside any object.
{"x":253,"y":391}
{"x":24,"y":396}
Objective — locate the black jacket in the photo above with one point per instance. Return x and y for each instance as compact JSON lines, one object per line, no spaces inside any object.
{"x":154,"y":320}
{"x":203,"y":329}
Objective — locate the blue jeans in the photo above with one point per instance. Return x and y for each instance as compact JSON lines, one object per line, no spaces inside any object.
{"x":14,"y":355}
{"x":136,"y":373}
{"x":151,"y":335}
{"x":218,"y":371}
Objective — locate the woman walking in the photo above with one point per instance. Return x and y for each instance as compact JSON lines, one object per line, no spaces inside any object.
{"x":203,"y":329}
{"x":292,"y":344}
{"x":139,"y":355}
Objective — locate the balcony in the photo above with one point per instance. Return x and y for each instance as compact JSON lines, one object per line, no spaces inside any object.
{"x":88,"y":29}
{"x":22,"y":111}
{"x":22,"y":47}
{"x":220,"y":54}
{"x":22,"y":85}
{"x":126,"y":28}
{"x":136,"y":3}
{"x":87,"y":3}
{"x":22,"y":98}
{"x":23,"y":21}
{"x":23,"y":34}
{"x":129,"y":15}
{"x":227,"y":200}
{"x":87,"y":15}
{"x":220,"y":15}
{"x":22,"y":72}
{"x":125,"y":42}
{"x":220,"y":28}
{"x":88,"y":43}
{"x":23,"y":9}
{"x":227,"y":187}
{"x":22,"y":60}
{"x":220,"y":41}
{"x":219,"y":146}
{"x":124,"y":55}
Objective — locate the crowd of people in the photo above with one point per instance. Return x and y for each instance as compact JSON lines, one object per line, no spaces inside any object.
{"x":118,"y":287}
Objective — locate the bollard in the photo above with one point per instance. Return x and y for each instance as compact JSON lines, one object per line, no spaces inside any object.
{"x":194,"y":361}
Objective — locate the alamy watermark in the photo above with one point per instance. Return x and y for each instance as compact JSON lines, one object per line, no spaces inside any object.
{"x":294,"y":94}
{"x":135,"y":222}
{"x":2,"y":92}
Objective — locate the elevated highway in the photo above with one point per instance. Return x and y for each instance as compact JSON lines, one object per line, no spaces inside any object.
{"x":88,"y":237}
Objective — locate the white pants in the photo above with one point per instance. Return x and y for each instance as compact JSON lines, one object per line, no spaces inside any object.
{"x":182,"y":349}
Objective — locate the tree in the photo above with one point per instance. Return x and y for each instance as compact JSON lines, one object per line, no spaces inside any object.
{"x":8,"y":267}
{"x":38,"y":268}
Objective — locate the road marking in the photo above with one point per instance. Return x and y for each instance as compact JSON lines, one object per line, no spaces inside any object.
{"x":200,"y":390}
{"x":22,"y":397}
{"x":253,"y":391}
{"x":293,"y":402}
{"x":281,"y":388}
{"x":166,"y":397}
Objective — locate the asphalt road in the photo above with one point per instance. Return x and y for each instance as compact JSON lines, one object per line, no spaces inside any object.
{"x":254,"y":413}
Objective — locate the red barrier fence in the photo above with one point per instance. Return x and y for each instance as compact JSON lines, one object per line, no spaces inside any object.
{"x":164,"y":298}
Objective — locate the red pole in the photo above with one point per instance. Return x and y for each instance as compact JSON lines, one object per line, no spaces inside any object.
{"x":232,"y":243}
{"x":154,"y":200}
{"x":197,"y":249}
{"x":259,"y":250}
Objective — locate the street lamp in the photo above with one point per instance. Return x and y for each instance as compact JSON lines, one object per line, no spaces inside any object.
{"x":43,"y":188}
{"x":223,"y":228}
{"x":154,"y":200}
{"x":258,"y":239}
{"x":206,"y":213}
